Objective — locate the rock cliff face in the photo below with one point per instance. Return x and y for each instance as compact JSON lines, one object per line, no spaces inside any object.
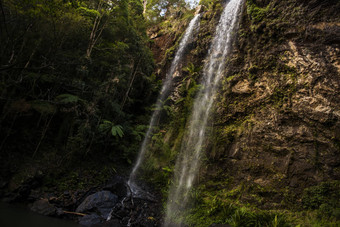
{"x":276,"y":126}
{"x":277,"y":120}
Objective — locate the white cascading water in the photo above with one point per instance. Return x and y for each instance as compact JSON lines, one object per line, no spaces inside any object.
{"x":188,"y":161}
{"x":187,"y":37}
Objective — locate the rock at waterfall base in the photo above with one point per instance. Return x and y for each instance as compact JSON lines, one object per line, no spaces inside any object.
{"x":101,"y":202}
{"x":43,"y":207}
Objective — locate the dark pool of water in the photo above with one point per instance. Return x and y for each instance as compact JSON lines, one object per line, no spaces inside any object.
{"x":20,"y":216}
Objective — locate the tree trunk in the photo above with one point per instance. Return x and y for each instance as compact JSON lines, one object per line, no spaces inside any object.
{"x":145,"y":2}
{"x":130,"y":85}
{"x":47,"y":125}
{"x":96,"y":31}
{"x":92,"y":36}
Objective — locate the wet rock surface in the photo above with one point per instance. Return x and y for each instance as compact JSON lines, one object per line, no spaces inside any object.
{"x":21,"y":192}
{"x":117,"y":185}
{"x":108,"y":205}
{"x":127,"y":212}
{"x":43,"y":207}
{"x":101,"y":202}
{"x":104,"y":208}
{"x":90,"y":220}
{"x":277,"y":122}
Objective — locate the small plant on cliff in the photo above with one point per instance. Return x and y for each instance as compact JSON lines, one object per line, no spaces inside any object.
{"x":327,"y":194}
{"x":255,"y":12}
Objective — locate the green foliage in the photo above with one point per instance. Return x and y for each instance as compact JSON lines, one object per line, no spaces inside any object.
{"x":164,"y":107}
{"x":139,"y":132}
{"x":253,"y":70}
{"x":322,"y":196}
{"x":60,"y":181}
{"x":242,"y":217}
{"x":189,"y":87}
{"x":107,"y":126}
{"x":43,"y":107}
{"x":72,"y":63}
{"x":67,"y":98}
{"x":215,"y":207}
{"x":158,"y":10}
{"x":192,"y":70}
{"x":230,"y":78}
{"x":256,"y":13}
{"x":116,"y":130}
{"x":84,"y":11}
{"x":206,"y":3}
{"x":218,"y":202}
{"x":211,"y":5}
{"x":322,"y":204}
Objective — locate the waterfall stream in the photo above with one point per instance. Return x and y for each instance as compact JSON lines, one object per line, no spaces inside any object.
{"x":188,"y":161}
{"x":187,"y":38}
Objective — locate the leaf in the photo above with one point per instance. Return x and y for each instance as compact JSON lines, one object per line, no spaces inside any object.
{"x":167,"y":169}
{"x":88,"y":12}
{"x":117,"y":130}
{"x":105,"y":126}
{"x":180,"y":100}
{"x":43,"y":107}
{"x":67,"y":98}
{"x":139,"y":132}
{"x":114,"y":131}
{"x":120,"y":132}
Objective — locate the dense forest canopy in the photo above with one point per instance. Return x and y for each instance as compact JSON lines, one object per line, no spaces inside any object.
{"x":74,"y":71}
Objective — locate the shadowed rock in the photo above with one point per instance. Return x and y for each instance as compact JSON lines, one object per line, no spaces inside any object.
{"x":101,"y":202}
{"x":90,"y":220}
{"x":43,"y":207}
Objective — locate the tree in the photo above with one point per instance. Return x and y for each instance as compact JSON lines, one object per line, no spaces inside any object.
{"x":68,"y":64}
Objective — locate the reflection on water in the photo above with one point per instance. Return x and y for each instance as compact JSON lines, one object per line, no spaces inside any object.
{"x":18,"y":216}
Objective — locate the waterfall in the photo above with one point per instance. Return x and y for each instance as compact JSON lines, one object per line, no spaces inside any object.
{"x":187,"y":37}
{"x":188,"y":161}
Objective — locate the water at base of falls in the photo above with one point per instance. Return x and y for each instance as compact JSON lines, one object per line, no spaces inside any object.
{"x":187,"y":38}
{"x":20,"y":216}
{"x":188,"y":162}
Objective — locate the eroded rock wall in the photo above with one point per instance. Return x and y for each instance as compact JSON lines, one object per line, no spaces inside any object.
{"x":277,"y":121}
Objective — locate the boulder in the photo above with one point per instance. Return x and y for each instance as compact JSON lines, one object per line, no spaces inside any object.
{"x":43,"y":207}
{"x":112,"y":223}
{"x":101,"y":202}
{"x":117,"y":185}
{"x":90,"y":220}
{"x":20,"y":192}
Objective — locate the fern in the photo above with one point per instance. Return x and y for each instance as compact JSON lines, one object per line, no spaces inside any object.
{"x":106,"y":126}
{"x":116,"y":130}
{"x":67,"y":98}
{"x":139,"y":132}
